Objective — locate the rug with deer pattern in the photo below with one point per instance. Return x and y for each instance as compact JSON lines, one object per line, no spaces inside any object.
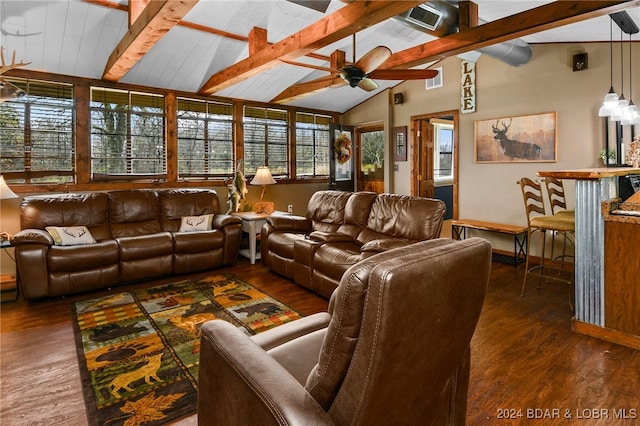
{"x":139,"y":351}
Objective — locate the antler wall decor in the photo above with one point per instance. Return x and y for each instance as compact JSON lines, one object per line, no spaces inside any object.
{"x":8,"y":90}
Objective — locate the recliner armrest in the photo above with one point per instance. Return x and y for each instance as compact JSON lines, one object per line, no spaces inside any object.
{"x":222,"y":220}
{"x":330,"y":237}
{"x":379,"y":246}
{"x":239,"y":383}
{"x":32,"y":236}
{"x":284,"y":223}
{"x":291,"y":330}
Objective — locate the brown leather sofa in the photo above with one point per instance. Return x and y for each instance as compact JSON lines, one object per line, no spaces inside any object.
{"x":136,"y":238}
{"x":341,"y":229}
{"x":393,"y":348}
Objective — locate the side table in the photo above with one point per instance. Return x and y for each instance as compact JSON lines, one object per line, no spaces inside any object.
{"x":8,"y":282}
{"x":252,"y":224}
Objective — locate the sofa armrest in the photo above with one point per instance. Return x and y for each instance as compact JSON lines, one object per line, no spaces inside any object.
{"x":330,"y":237}
{"x":284,"y":223}
{"x":239,"y":383}
{"x":32,"y":236}
{"x":222,"y":220}
{"x":378,"y":246}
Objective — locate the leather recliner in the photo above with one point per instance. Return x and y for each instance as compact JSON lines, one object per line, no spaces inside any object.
{"x":394,"y":347}
{"x":341,"y":229}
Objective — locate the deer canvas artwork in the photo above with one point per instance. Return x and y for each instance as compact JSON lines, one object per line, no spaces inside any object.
{"x":529,"y":138}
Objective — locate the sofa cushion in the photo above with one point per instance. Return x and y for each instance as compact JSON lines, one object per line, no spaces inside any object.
{"x":82,"y":257}
{"x":195,"y":242}
{"x":134,"y":212}
{"x":90,"y":210}
{"x":178,"y":203}
{"x":70,"y":235}
{"x":145,"y":246}
{"x":283,"y":243}
{"x":333,"y":259}
{"x":326,"y":210}
{"x":403,"y":216}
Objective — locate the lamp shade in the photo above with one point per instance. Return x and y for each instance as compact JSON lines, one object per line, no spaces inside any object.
{"x":263,"y":177}
{"x":5,"y":191}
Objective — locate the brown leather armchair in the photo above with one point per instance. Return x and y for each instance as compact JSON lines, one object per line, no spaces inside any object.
{"x":393,"y":349}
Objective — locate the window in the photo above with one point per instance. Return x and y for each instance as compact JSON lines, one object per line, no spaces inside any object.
{"x":443,"y":150}
{"x":37,"y":137}
{"x":127,"y":135}
{"x":266,"y":140}
{"x":205,"y":138}
{"x":312,"y":144}
{"x":435,"y":82}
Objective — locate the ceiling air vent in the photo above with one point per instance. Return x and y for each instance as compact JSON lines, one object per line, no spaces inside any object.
{"x":425,"y":16}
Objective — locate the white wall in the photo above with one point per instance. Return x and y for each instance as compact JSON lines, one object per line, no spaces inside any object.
{"x":547,"y":83}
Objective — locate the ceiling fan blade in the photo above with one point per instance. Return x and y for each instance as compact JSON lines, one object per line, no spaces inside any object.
{"x":367,"y":84}
{"x":373,"y":59}
{"x":308,"y":87}
{"x":315,"y":67}
{"x":390,"y":74}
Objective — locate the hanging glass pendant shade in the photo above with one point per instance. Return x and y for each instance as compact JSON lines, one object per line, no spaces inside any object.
{"x":630,"y":113}
{"x":610,"y":103}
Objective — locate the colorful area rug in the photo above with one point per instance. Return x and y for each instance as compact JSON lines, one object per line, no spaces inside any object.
{"x":139,"y":351}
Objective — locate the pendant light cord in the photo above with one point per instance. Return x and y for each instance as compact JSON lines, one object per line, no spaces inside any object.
{"x":611,"y":53}
{"x":621,"y":67}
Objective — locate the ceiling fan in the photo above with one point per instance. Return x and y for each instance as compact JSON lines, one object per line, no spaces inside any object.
{"x":362,"y":72}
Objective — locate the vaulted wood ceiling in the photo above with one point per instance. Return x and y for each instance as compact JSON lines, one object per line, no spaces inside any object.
{"x":311,"y":37}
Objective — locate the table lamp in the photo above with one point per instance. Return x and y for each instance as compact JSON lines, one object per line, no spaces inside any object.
{"x":263,"y":177}
{"x":5,"y":194}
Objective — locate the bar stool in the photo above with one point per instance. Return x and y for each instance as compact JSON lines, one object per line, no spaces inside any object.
{"x":539,"y":222}
{"x":558,"y":203}
{"x":555,"y":193}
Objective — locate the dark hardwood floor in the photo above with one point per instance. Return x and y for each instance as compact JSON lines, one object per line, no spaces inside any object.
{"x":528,"y":366}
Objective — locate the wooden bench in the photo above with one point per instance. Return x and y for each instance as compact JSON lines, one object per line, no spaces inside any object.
{"x":459,"y":232}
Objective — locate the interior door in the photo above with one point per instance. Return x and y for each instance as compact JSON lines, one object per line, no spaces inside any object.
{"x":424,"y":167}
{"x":370,"y":143}
{"x":434,"y":153}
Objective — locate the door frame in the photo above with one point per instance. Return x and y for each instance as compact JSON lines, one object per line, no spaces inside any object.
{"x":417,"y":150}
{"x":378,"y":127}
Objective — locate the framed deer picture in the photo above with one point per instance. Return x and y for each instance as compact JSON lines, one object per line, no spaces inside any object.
{"x":526,"y":138}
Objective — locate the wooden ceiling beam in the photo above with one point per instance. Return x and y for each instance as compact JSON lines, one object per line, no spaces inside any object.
{"x":347,"y":20}
{"x":548,"y":16}
{"x":257,"y":40}
{"x":157,"y":18}
{"x":135,"y":9}
{"x":299,"y":90}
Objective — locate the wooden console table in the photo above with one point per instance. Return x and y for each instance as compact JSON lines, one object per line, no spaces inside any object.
{"x":593,"y":186}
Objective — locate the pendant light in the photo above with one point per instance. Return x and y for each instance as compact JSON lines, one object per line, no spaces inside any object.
{"x":618,"y":111}
{"x":631,"y":115}
{"x":611,"y":98}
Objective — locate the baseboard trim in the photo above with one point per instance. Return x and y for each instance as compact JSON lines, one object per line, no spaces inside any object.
{"x":607,"y":334}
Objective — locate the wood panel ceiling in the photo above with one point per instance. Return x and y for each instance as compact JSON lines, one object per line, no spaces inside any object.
{"x":248,"y":49}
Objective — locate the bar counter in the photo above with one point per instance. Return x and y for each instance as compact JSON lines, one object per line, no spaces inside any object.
{"x":593,"y":186}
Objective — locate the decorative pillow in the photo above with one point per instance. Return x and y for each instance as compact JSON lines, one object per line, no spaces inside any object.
{"x":70,"y":235}
{"x":196,"y":223}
